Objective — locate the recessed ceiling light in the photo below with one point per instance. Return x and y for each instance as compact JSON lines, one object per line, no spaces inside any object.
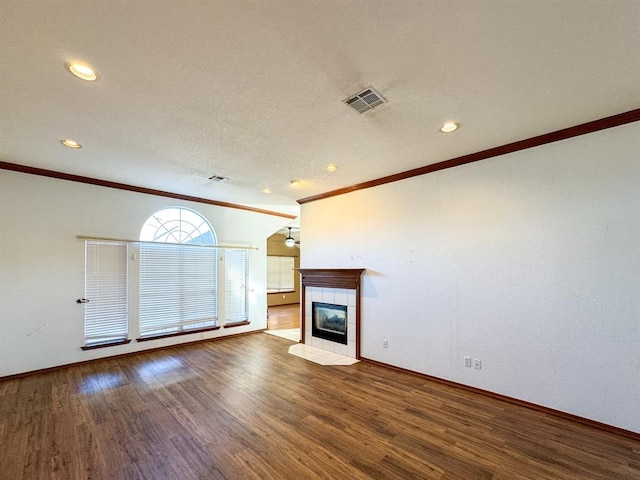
{"x":266,"y":190}
{"x":82,"y":72}
{"x":331,"y":167}
{"x":293,"y":183}
{"x":449,"y":127}
{"x":67,"y":142}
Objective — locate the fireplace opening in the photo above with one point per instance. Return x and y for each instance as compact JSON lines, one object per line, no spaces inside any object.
{"x":329,"y":322}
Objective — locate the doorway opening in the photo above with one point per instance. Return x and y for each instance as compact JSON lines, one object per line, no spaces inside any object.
{"x":284,"y":321}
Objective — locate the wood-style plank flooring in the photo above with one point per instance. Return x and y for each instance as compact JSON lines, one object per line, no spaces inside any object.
{"x":284,"y":316}
{"x":242,"y":408}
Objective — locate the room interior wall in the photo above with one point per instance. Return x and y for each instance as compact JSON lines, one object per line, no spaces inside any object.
{"x":528,"y":262}
{"x":276,"y":247}
{"x":42,"y":264}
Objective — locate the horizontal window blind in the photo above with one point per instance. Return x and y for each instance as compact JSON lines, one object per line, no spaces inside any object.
{"x":280,"y":274}
{"x":177,"y":288}
{"x":106,"y":313}
{"x":236,"y":273}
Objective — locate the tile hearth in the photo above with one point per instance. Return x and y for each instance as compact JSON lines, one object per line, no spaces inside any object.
{"x":320,"y":356}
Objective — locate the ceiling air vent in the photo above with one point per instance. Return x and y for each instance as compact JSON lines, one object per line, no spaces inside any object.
{"x":366,"y":100}
{"x":218,"y":178}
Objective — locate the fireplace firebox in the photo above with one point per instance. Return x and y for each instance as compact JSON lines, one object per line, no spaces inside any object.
{"x":329,"y":322}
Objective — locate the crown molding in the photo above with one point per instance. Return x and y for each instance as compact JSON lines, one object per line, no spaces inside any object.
{"x":564,"y":134}
{"x":14,"y":167}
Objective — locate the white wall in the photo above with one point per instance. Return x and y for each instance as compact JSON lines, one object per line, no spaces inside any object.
{"x":529,"y":262}
{"x":41,"y":264}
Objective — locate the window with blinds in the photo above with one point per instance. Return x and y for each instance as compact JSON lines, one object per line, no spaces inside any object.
{"x":236,"y":275}
{"x":106,"y":312}
{"x":178,"y":288}
{"x":280,"y":276}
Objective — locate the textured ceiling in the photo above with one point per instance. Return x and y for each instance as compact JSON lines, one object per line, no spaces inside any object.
{"x":253,"y":90}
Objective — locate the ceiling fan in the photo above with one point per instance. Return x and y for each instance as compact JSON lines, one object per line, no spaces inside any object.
{"x":290,"y":241}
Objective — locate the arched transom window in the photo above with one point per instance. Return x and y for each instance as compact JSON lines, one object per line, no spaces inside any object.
{"x":178,"y":225}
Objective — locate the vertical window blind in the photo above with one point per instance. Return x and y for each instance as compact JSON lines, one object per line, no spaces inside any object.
{"x":106,"y":286}
{"x":236,"y":273}
{"x":178,"y":288}
{"x":280,"y":274}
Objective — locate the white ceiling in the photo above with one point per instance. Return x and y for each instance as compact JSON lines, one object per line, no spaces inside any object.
{"x":253,"y":90}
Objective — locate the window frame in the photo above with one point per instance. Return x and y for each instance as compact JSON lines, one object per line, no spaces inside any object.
{"x":280,"y":271}
{"x":106,"y":293}
{"x":230,"y":257}
{"x":186,"y":235}
{"x":164,"y":287}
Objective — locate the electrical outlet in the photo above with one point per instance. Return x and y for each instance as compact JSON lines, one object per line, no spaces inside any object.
{"x":467,"y":362}
{"x":477,"y":364}
{"x":385,"y":344}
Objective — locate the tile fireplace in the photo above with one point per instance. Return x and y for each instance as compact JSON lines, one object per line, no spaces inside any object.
{"x":330,"y":317}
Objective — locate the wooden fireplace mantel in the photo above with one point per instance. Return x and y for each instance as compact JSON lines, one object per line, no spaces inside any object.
{"x":347,"y":278}
{"x":331,"y":277}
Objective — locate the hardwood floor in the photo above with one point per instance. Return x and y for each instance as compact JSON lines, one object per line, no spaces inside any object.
{"x":242,"y":408}
{"x":284,"y":316}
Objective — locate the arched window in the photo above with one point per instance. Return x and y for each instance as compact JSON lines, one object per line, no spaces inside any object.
{"x":178,"y":274}
{"x":178,"y":225}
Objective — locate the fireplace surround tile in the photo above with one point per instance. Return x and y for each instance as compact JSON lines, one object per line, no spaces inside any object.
{"x":336,"y":296}
{"x":315,"y":293}
{"x":351,"y":317}
{"x":341,"y":296}
{"x":341,"y":349}
{"x":329,"y":346}
{"x":351,"y":298}
{"x":351,"y":335}
{"x":328,"y":295}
